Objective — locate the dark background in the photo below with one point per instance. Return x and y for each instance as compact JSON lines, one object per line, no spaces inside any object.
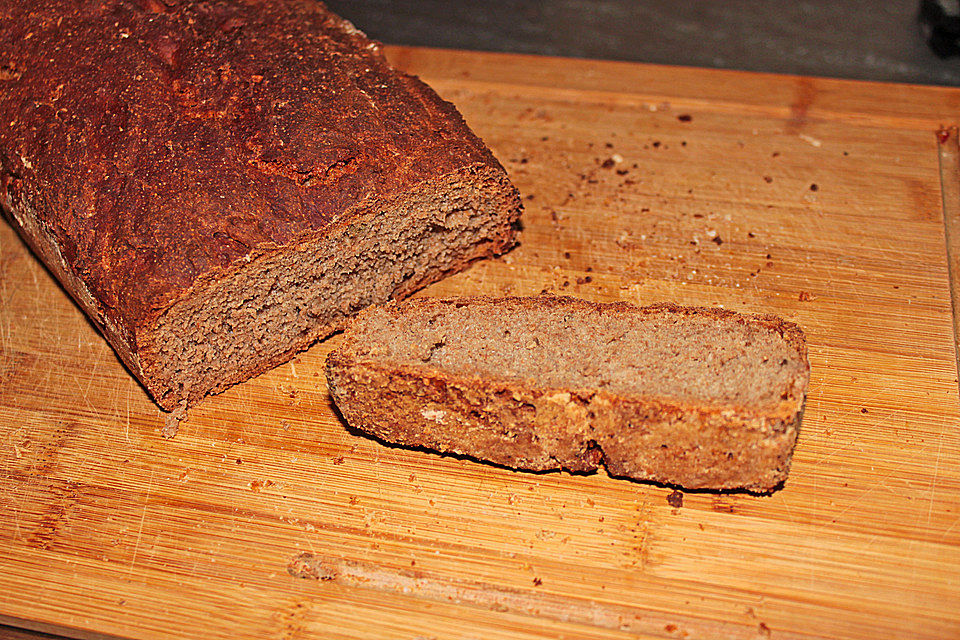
{"x":860,"y":39}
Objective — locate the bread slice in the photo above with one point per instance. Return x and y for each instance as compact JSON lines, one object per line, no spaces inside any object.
{"x":219,"y":185}
{"x":700,"y":398}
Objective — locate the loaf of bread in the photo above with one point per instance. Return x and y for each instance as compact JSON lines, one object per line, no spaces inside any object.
{"x":699,"y":398}
{"x":219,"y":184}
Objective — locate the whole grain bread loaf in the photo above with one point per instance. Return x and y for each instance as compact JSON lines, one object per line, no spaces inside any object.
{"x":220,"y":183}
{"x":700,"y":398}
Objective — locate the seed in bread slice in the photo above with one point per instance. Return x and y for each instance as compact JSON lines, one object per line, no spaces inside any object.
{"x":694,"y":397}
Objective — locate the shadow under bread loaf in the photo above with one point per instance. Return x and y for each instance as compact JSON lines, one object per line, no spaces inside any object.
{"x":219,"y":185}
{"x":700,"y":398}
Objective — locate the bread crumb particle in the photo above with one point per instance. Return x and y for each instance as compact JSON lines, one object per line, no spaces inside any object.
{"x":257,"y":485}
{"x":307,"y":565}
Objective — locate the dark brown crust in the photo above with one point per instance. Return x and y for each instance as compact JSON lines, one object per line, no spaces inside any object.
{"x":532,"y":427}
{"x":149,"y":147}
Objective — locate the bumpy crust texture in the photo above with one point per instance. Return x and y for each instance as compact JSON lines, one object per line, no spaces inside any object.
{"x":525,"y":425}
{"x":151,"y":147}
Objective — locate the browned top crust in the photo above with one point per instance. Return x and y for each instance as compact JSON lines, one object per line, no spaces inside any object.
{"x":161,"y":142}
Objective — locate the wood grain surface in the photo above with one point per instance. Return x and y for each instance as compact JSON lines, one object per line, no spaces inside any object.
{"x":817,"y":200}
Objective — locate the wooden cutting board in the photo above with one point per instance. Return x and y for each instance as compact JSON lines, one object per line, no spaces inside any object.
{"x":822,"y":201}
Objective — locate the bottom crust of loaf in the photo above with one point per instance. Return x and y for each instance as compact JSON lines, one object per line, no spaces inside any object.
{"x":540,"y":430}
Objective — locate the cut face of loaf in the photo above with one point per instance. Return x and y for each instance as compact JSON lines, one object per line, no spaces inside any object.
{"x":256,"y":317}
{"x":700,"y":398}
{"x":219,"y":184}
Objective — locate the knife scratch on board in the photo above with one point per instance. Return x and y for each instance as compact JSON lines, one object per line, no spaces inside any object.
{"x":936,"y":469}
{"x":143,"y":517}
